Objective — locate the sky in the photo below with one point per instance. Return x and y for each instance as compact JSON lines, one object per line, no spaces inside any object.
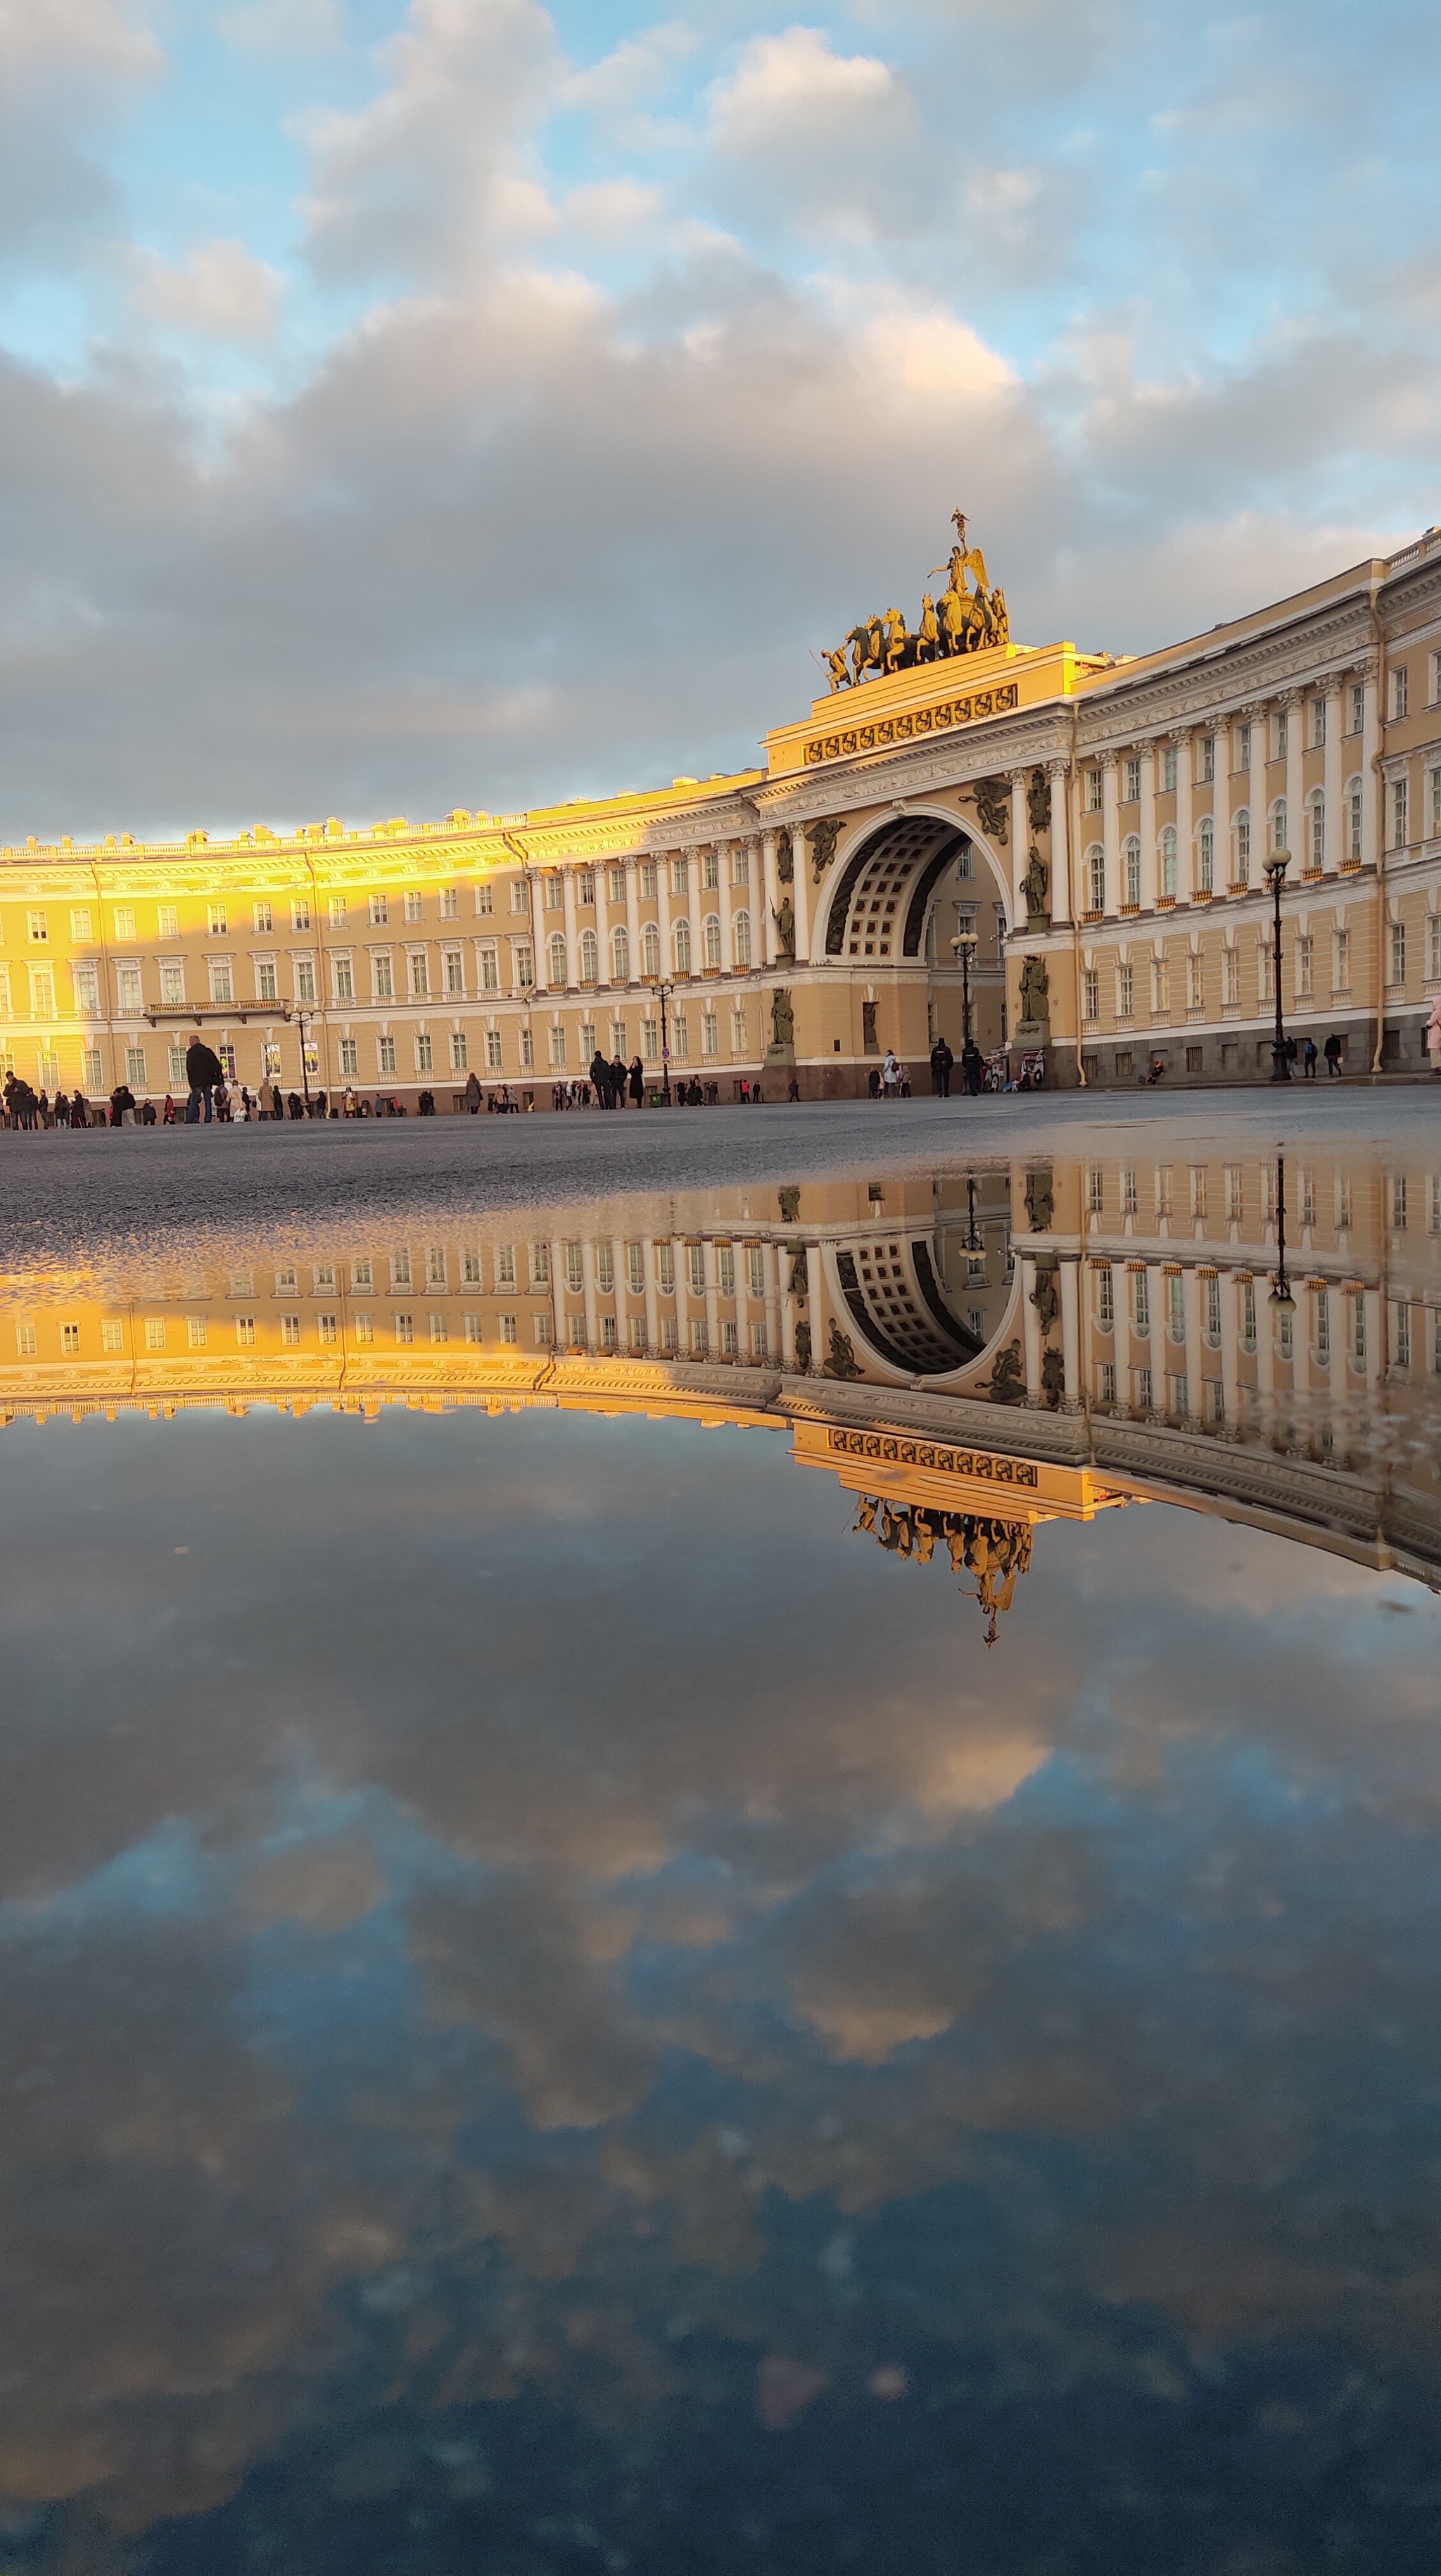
{"x":473,"y":403}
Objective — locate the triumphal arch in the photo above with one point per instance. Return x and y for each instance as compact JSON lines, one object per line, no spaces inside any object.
{"x":1066,"y":851}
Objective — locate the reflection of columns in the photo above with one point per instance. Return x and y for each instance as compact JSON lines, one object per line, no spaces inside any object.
{"x":1375,"y":1338}
{"x":572,"y":951}
{"x":773,"y":1303}
{"x":1301,"y":1345}
{"x":1057,"y":771}
{"x":762,"y":925}
{"x":1265,"y":1332}
{"x":785,"y":1264}
{"x":1185,"y":763}
{"x":712,"y":1300}
{"x":1231,"y":1348}
{"x":1031,"y":1327}
{"x":558,"y":1292}
{"x":587,"y":1272}
{"x":1071,"y":1327}
{"x":1370,"y":745}
{"x":1150,"y":877}
{"x":1111,"y":831}
{"x":1335,"y":845}
{"x":618,"y":1284}
{"x":680,"y":1254}
{"x":632,"y":915}
{"x":652,"y":1298}
{"x":1020,"y":903}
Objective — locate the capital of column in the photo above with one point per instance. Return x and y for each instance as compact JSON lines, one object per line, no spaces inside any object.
{"x":1017,"y":777}
{"x":1109,"y":759}
{"x":1056,"y":769}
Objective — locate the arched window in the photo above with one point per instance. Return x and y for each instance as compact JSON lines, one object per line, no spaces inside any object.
{"x":682,"y":948}
{"x":650,"y":950}
{"x":1131,"y":862}
{"x":557,"y":959}
{"x":1206,"y":857}
{"x":1241,"y":866}
{"x":1278,"y":825}
{"x":1096,"y":877}
{"x":1168,"y":861}
{"x":589,"y":957}
{"x":1316,"y":833}
{"x":712,"y":939}
{"x":620,"y":955}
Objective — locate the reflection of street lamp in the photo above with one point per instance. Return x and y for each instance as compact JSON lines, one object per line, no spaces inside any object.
{"x":665,"y":991}
{"x":965,"y":945}
{"x":973,"y":1241}
{"x":1281,"y":1297}
{"x":1276,"y":867}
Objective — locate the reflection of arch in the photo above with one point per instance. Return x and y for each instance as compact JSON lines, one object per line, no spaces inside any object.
{"x":889,"y":1287}
{"x":877,"y":907}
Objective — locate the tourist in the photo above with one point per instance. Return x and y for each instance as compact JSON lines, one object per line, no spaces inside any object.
{"x":617,"y":1075}
{"x":472,"y":1092}
{"x":793,"y":1089}
{"x":1311,"y":1058}
{"x":891,"y":1076}
{"x":202,"y":1072}
{"x":167,"y":1114}
{"x":973,"y":1066}
{"x":941,"y":1063}
{"x":1332,"y":1052}
{"x":637,"y":1082}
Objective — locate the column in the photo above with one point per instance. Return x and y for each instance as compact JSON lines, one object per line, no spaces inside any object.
{"x":632,"y":915}
{"x":1150,"y":878}
{"x":773,"y":1304}
{"x":727,"y":860}
{"x":618,"y":1273}
{"x":1058,"y":774}
{"x":1070,"y":1281}
{"x":1185,"y":763}
{"x":1111,"y":832}
{"x":1371,"y":789}
{"x":1333,"y":703}
{"x":696,"y":902}
{"x":559,"y":1294}
{"x":767,"y":895}
{"x":535,"y":890}
{"x":680,"y":1254}
{"x":1295,"y":781}
{"x":1376,"y":1324}
{"x":1260,"y":744}
{"x":662,"y":886}
{"x":1231,"y":1349}
{"x":1019,"y":841}
{"x":572,"y":952}
{"x":801,"y":892}
{"x":1031,"y":1327}
{"x":1191,"y":1291}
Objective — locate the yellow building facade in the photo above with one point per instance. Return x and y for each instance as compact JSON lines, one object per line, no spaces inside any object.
{"x":1099,"y":827}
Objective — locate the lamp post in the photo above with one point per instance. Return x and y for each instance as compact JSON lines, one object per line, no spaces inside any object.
{"x":1000,"y":913}
{"x":964,"y":946}
{"x":1281,"y":1297}
{"x":1276,"y":867}
{"x":300,"y":1017}
{"x":664,"y":991}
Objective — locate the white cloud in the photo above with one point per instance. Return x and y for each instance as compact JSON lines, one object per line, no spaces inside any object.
{"x":222,"y":290}
{"x":73,"y":36}
{"x":826,"y":139}
{"x":284,"y":26}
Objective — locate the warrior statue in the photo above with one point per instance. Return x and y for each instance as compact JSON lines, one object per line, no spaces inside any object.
{"x":783,"y":1018}
{"x":1035,"y":991}
{"x":785,"y":922}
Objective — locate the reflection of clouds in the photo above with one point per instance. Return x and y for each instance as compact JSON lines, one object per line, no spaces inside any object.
{"x":553,"y":1957}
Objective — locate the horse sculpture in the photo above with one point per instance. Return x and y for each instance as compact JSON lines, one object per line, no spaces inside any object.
{"x":963,"y":620}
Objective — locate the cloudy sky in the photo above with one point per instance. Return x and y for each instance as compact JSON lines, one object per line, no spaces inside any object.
{"x":473,"y":402}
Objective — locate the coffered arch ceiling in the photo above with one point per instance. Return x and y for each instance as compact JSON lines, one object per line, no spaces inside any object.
{"x":877,"y":912}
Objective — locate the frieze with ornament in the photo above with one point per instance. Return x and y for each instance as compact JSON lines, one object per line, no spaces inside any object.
{"x":977,"y":1464}
{"x":884,"y":730}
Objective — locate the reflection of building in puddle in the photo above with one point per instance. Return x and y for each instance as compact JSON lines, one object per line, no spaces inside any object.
{"x":1120,"y":1332}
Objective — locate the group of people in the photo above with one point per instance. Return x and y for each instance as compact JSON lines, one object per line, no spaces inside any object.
{"x":943,"y":1063}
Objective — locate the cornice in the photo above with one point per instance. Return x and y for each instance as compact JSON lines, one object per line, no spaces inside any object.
{"x":1221,"y":686}
{"x":1032,"y":736}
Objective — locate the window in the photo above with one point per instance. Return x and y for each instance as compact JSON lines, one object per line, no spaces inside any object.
{"x":1400,"y":1333}
{"x":741,"y":932}
{"x":269,"y":1059}
{"x":523,"y":965}
{"x":1130,"y":793}
{"x":1105,"y":1297}
{"x":1169,"y":885}
{"x":1435,"y":688}
{"x":1400,"y":799}
{"x":589,"y":957}
{"x":1096,"y":876}
{"x":542,"y":1332}
{"x":1095,"y":1192}
{"x":42,"y":990}
{"x":80,"y":922}
{"x":682,"y":948}
{"x":385,"y":1055}
{"x":305,"y":979}
{"x":1398,"y":953}
{"x":680,"y":876}
{"x":1341,"y":960}
{"x":245,"y":1332}
{"x":1435,"y":822}
{"x":25,"y":1341}
{"x":489,"y":971}
{"x":554,"y":891}
{"x":87,"y":991}
{"x":124,"y":921}
{"x":741,"y":857}
{"x":492,"y":1051}
{"x":712,"y":937}
{"x":1091,"y":993}
{"x":343,"y":977}
{"x":1131,"y":864}
{"x":709,"y":1035}
{"x":485,"y":898}
{"x":381,"y":976}
{"x":89,"y":1057}
{"x":379,"y":911}
{"x":419,"y":975}
{"x":1278,"y":825}
{"x":155,"y":1332}
{"x":647,"y":879}
{"x":266,"y":988}
{"x":620,"y":956}
{"x":1206,"y":764}
{"x":1125,"y":992}
{"x":450,"y":903}
{"x":290,"y":1332}
{"x":505,"y":1265}
{"x":300,"y":912}
{"x":665,"y":1268}
{"x":519,"y":895}
{"x":1316,"y":837}
{"x":1305,"y":951}
{"x":1248,"y":1314}
{"x":1358,"y":1329}
{"x":424,"y":1052}
{"x":1353,"y":820}
{"x":1358,"y":709}
{"x":1243,"y":747}
{"x":1141,"y":1302}
{"x":459,"y":1053}
{"x":1164,"y":1193}
{"x":217,"y":919}
{"x":414,"y":907}
{"x":710,"y":869}
{"x":1093,"y":791}
{"x":1242,"y":829}
{"x":557,"y":1046}
{"x":739,"y":1036}
{"x":405,"y":1328}
{"x":1400,"y":692}
{"x":1213,"y":1309}
{"x":650,"y":952}
{"x":1195,"y":980}
{"x":39,"y":927}
{"x":112,"y":1334}
{"x":1283,"y":734}
{"x":1141,"y":1389}
{"x":557,"y":959}
{"x":1433,"y":947}
{"x":585,"y":886}
{"x":1168,"y":770}
{"x":337,"y":912}
{"x":680,"y":1033}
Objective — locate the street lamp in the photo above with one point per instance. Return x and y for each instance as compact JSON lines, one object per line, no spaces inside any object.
{"x":1000,"y":913}
{"x":294,"y":1012}
{"x":965,"y":945}
{"x":1276,"y":867}
{"x":1281,"y":1297}
{"x":664,"y":991}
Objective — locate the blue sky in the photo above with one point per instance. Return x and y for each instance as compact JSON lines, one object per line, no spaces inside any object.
{"x":478,"y":403}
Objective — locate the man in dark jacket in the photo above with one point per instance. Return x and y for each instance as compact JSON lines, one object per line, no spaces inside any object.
{"x":203,"y":1071}
{"x":941,"y":1063}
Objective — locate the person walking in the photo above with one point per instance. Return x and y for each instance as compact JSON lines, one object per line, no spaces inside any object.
{"x":941,"y":1063}
{"x":1310,"y":1057}
{"x":891,"y":1076}
{"x":203,"y":1073}
{"x":617,"y":1083}
{"x":1433,"y":1034}
{"x":1332,"y":1053}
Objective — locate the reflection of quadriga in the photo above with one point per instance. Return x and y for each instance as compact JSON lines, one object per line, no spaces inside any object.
{"x":994,"y":1551}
